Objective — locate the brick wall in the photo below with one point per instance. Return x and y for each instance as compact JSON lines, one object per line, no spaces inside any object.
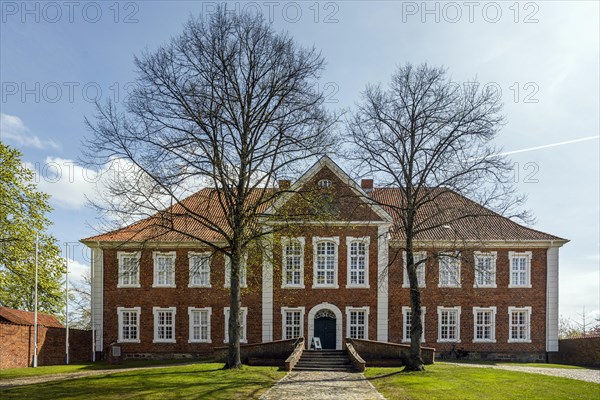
{"x":387,"y":354}
{"x":578,"y":351}
{"x":468,"y":297}
{"x":16,"y":346}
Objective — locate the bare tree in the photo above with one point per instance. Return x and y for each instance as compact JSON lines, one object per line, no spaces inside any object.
{"x":229,"y":104}
{"x":80,"y":316}
{"x":431,"y":139}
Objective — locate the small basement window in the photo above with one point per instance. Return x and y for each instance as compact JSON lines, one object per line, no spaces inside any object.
{"x":324,"y":183}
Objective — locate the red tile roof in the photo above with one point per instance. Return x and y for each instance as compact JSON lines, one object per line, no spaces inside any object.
{"x":180,"y":226}
{"x":20,"y":317}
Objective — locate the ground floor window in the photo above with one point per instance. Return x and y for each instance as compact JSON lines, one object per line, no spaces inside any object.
{"x":357,"y":322}
{"x":243,"y":318}
{"x":164,"y":324}
{"x":407,"y":323}
{"x":129,"y":324}
{"x":293,"y":322}
{"x":519,"y":324}
{"x":199,"y":325}
{"x":448,"y":324}
{"x":484,"y":324}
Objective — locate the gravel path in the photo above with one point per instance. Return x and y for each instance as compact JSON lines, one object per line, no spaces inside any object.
{"x":588,"y":375}
{"x":323,"y":385}
{"x":32,"y":380}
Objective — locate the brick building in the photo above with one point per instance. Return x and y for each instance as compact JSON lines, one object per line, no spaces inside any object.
{"x":489,"y":285}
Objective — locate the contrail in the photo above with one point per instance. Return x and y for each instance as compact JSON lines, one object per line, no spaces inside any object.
{"x":546,"y":146}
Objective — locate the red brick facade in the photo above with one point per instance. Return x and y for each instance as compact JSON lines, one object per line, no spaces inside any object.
{"x":265,"y":298}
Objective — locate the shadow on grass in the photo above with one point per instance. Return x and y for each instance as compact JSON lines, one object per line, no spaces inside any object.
{"x":186,"y":382}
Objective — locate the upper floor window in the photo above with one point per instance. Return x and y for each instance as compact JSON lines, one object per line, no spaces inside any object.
{"x":520,"y":269}
{"x":293,"y":262}
{"x":449,"y":270}
{"x":129,"y":324}
{"x":407,"y":323}
{"x":325,"y":261}
{"x":293,"y":322}
{"x":484,"y":324}
{"x":324,"y":183}
{"x":243,"y":271}
{"x":519,"y":324}
{"x":164,"y":269}
{"x":485,"y":269}
{"x":164,"y":324}
{"x":358,"y":322}
{"x":358,"y":261}
{"x":419,"y":257}
{"x":243,"y":319}
{"x":199,"y":324}
{"x":448,"y":324}
{"x":129,"y":269}
{"x":199,"y":269}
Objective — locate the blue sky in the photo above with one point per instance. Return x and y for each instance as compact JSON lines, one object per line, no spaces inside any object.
{"x":57,"y":57}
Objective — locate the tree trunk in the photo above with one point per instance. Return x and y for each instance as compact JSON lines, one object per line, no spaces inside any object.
{"x":233,"y":358}
{"x":414,"y":361}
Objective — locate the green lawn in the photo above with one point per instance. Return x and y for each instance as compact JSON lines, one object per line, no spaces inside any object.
{"x":207,"y":381}
{"x":443,"y":381}
{"x":61,"y":369}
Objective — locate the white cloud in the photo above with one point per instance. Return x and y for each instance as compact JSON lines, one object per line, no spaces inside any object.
{"x":67,"y":182}
{"x":13,"y":129}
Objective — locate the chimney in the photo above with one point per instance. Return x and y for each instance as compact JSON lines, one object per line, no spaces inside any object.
{"x":367,"y":185}
{"x":284,"y":184}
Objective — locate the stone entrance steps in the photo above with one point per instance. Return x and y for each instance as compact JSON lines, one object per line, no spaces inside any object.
{"x":324,"y":360}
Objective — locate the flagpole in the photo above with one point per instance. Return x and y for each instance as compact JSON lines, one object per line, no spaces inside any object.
{"x":35,"y":305}
{"x":67,"y":303}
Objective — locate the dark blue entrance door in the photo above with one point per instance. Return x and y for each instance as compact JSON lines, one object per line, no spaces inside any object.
{"x":325,"y":330}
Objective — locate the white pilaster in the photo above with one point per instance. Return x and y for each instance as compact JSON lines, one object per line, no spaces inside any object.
{"x":97,"y":288}
{"x":552,"y":299}
{"x":382,"y":283}
{"x":267,"y":290}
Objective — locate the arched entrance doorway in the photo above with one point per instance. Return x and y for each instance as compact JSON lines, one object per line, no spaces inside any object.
{"x":325,"y":322}
{"x":325,"y":328}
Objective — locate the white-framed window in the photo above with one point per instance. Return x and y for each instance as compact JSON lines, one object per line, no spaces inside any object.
{"x":292,"y":319}
{"x":358,"y":261}
{"x":449,"y":270}
{"x":484,"y":324}
{"x":325,"y":270}
{"x":519,"y":324}
{"x":418,"y":256}
{"x":199,"y":324}
{"x":129,"y":324}
{"x":293,"y":262}
{"x":520,"y":269}
{"x":485,"y":269}
{"x":357,"y":322}
{"x":243,"y":272}
{"x":199,"y":269}
{"x":244,"y":317}
{"x":324,"y":183}
{"x":449,"y":324}
{"x":164,"y":324}
{"x":164,"y":269}
{"x":129,"y":269}
{"x":407,"y":323}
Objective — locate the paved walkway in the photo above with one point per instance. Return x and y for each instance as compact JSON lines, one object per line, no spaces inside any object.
{"x":323,"y":386}
{"x":588,"y":375}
